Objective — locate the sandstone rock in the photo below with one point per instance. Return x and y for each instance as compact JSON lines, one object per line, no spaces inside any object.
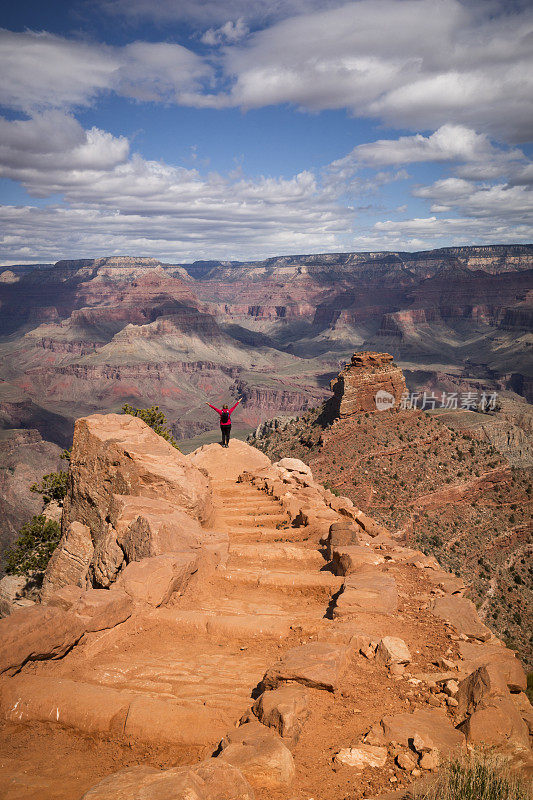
{"x":373,"y":592}
{"x":11,"y":594}
{"x":285,"y":709}
{"x":101,"y":609}
{"x":341,"y":534}
{"x":429,"y":761}
{"x":364,"y":755}
{"x":354,"y":559}
{"x":88,"y":708}
{"x":154,"y":580}
{"x":368,"y":373}
{"x":504,"y":660}
{"x":149,"y":527}
{"x":369,"y":525}
{"x":525,"y":709}
{"x":160,"y":719}
{"x":209,"y":780}
{"x":37,"y":633}
{"x":392,"y":650}
{"x":422,"y":744}
{"x":294,"y":465}
{"x":462,"y":614}
{"x":479,"y":689}
{"x":260,"y":755}
{"x":70,"y":561}
{"x":319,"y":665}
{"x":66,"y":597}
{"x":451,"y":688}
{"x":496,"y":725}
{"x":406,"y":761}
{"x":431,"y":726}
{"x":230,"y":462}
{"x":115,"y":455}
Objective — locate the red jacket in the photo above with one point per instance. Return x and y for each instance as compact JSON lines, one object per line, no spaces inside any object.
{"x":221,"y":411}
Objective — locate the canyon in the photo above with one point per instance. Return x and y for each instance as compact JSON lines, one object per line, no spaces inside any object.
{"x":220,"y":626}
{"x":80,"y":337}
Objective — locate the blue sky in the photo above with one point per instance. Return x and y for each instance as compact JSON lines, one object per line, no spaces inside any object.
{"x":192,"y":130}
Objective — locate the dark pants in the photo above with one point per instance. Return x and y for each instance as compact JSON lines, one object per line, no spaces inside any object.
{"x":225,"y":430}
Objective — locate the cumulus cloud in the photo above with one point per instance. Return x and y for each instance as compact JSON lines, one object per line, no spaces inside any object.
{"x":116,"y":203}
{"x":42,"y":71}
{"x":416,"y":63}
{"x":499,"y":201}
{"x":228,"y":33}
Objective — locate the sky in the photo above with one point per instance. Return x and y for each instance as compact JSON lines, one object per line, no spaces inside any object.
{"x":201,"y":129}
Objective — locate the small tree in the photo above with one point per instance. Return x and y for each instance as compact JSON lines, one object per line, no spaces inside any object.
{"x":154,"y":418}
{"x":32,"y":551}
{"x":52,"y":486}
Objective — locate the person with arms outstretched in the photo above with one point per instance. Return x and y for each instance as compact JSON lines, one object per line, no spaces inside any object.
{"x":225,"y":420}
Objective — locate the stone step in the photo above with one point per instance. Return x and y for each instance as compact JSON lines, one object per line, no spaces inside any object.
{"x":249,"y":535}
{"x":270,"y":555}
{"x":280,"y":579}
{"x":259,"y":520}
{"x":222,"y":625}
{"x":252,"y":507}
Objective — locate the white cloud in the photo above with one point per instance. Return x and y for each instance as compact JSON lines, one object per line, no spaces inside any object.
{"x":116,"y":203}
{"x":450,"y":143}
{"x":228,"y":33}
{"x":42,"y":71}
{"x":499,"y":201}
{"x":414,"y":63}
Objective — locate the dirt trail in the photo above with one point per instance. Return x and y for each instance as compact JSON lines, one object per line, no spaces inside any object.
{"x":199,"y":661}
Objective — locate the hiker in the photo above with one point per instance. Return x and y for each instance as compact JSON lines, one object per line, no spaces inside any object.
{"x":225,"y":420}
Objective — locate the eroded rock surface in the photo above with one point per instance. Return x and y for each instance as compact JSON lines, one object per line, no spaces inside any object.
{"x":357,"y":386}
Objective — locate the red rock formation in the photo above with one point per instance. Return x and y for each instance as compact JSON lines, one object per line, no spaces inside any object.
{"x":357,"y":386}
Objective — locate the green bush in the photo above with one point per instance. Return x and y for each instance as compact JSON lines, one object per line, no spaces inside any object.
{"x":52,"y":486}
{"x":154,"y":418}
{"x":32,"y":551}
{"x":477,"y":777}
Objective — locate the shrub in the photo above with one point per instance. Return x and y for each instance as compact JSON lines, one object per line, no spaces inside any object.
{"x":476,"y":777}
{"x":32,"y":551}
{"x":154,"y":418}
{"x":52,"y":486}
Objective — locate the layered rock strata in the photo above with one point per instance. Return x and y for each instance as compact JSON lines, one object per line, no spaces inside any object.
{"x":370,"y":382}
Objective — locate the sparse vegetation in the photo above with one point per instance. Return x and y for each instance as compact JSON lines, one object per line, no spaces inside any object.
{"x":478,"y":776}
{"x":153,"y":417}
{"x":32,"y":551}
{"x":52,"y":486}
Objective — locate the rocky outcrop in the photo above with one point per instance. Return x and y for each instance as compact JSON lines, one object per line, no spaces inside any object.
{"x":266,"y":659}
{"x":130,"y":495}
{"x":370,"y":382}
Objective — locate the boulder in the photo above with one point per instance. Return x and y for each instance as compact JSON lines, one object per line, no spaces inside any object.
{"x":432,"y":726}
{"x":37,"y":633}
{"x":478,"y":655}
{"x":117,"y":455}
{"x":354,"y":559}
{"x":496,"y":725}
{"x":210,"y":780}
{"x":371,"y":592}
{"x":392,"y":650}
{"x":364,"y":755}
{"x":284,"y":709}
{"x":154,"y":580}
{"x":260,"y":755}
{"x":462,"y":614}
{"x":319,"y":665}
{"x":101,"y":609}
{"x":70,"y":560}
{"x":147,"y":527}
{"x":294,"y":465}
{"x":165,"y":719}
